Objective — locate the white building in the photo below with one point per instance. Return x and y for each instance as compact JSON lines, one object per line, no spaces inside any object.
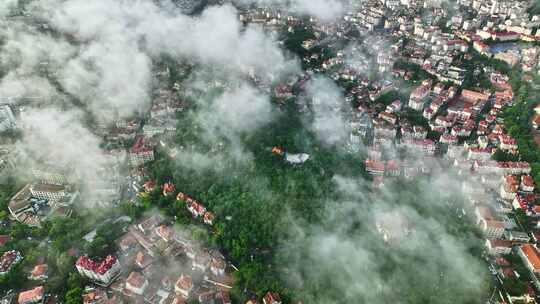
{"x":103,"y":272}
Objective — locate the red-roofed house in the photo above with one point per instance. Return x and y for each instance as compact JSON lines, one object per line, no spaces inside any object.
{"x":142,"y":259}
{"x":39,"y":272}
{"x":31,"y":296}
{"x":8,"y":259}
{"x":195,"y":208}
{"x":375,"y":167}
{"x":217,"y":266}
{"x":509,"y":187}
{"x":141,"y":152}
{"x":527,"y":183}
{"x":272,"y":298}
{"x":168,"y":188}
{"x":475,"y":97}
{"x":208,"y":218}
{"x":136,"y":283}
{"x":149,"y":186}
{"x":536,"y":121}
{"x":183,"y":286}
{"x":393,"y":167}
{"x":104,"y":271}
{"x":530,"y":256}
{"x":223,"y":297}
{"x":165,"y":232}
{"x":4,"y":239}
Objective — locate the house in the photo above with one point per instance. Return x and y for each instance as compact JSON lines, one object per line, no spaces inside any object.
{"x":8,"y":260}
{"x":428,"y":113}
{"x":195,"y":208}
{"x":150,"y":223}
{"x":207,"y":297}
{"x":149,"y":186}
{"x":393,"y":167}
{"x":165,"y":232}
{"x":517,"y":236}
{"x":509,"y":187}
{"x":39,"y":272}
{"x":375,"y":167}
{"x":48,"y":191}
{"x":527,"y":183}
{"x":201,"y":261}
{"x":536,"y":121}
{"x":141,"y":152}
{"x":475,"y":97}
{"x":481,"y":48}
{"x":223,"y":297}
{"x":418,"y":96}
{"x":168,"y":188}
{"x":480,"y":153}
{"x":425,"y":146}
{"x":507,"y":143}
{"x":136,"y":283}
{"x":505,"y":36}
{"x":394,"y":107}
{"x":142,"y":259}
{"x":531,"y":258}
{"x":183,"y":286}
{"x":34,"y":295}
{"x":94,"y":296}
{"x":104,"y":271}
{"x":492,"y":228}
{"x":4,"y":239}
{"x":498,"y":247}
{"x":127,"y":242}
{"x":208,"y":218}
{"x":523,"y":201}
{"x":388,"y":117}
{"x":178,"y":300}
{"x":272,"y":298}
{"x":449,"y":139}
{"x":217,"y":266}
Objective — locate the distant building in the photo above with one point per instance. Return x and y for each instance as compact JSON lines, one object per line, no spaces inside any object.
{"x":48,"y":191}
{"x":7,"y":119}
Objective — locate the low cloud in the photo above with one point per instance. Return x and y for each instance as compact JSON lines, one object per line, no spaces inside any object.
{"x":327,"y":102}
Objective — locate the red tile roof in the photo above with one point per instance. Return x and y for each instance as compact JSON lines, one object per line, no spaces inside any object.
{"x":101,"y":268}
{"x":136,"y":279}
{"x":39,"y":270}
{"x":532,"y":255}
{"x":184,"y":282}
{"x":32,"y":295}
{"x":271,"y":297}
{"x":4,"y":239}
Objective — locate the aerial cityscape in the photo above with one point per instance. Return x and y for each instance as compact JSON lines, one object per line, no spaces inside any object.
{"x":269,"y":151}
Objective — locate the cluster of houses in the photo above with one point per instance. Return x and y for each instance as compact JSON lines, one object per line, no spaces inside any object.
{"x":158,"y":264}
{"x":196,"y":208}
